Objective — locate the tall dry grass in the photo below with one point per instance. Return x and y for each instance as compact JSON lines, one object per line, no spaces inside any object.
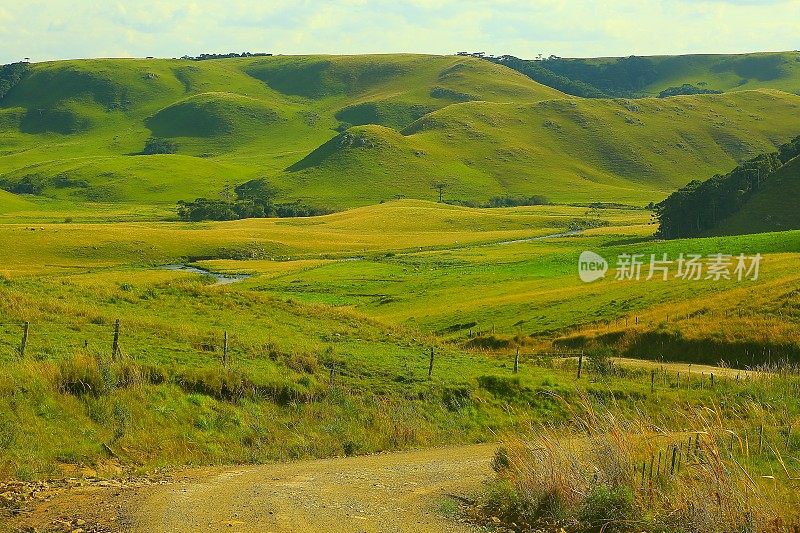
{"x":615,"y":473}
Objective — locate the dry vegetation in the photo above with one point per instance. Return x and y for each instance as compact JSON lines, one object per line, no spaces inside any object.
{"x":709,"y":470}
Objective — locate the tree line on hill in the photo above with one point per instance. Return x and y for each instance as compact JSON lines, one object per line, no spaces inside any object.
{"x":538,"y":71}
{"x":203,"y":57}
{"x":624,"y":77}
{"x":700,"y":206}
{"x":12,"y":74}
{"x":502,"y":201}
{"x":254,"y":199}
{"x":686,"y":88}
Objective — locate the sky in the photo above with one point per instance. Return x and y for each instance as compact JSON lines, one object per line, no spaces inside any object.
{"x":63,"y":29}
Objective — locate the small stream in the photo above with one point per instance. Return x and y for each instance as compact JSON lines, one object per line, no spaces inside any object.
{"x":221,"y":279}
{"x":567,"y":233}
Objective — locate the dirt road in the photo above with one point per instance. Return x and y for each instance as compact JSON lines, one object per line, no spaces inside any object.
{"x":694,"y":368}
{"x":407,"y":491}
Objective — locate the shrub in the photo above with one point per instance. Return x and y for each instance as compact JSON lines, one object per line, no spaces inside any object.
{"x":158,"y":145}
{"x":516,"y":201}
{"x":501,"y":462}
{"x":456,"y":397}
{"x":27,"y":185}
{"x":502,"y":386}
{"x":11,"y":75}
{"x":234,"y":385}
{"x":599,"y":361}
{"x":8,"y":430}
{"x":122,"y":417}
{"x":608,"y":510}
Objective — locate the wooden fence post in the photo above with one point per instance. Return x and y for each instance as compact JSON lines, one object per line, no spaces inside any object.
{"x":580,"y":363}
{"x":24,"y":343}
{"x":674,"y":458}
{"x":225,"y":349}
{"x":115,"y":343}
{"x":430,"y":366}
{"x":652,"y":381}
{"x":516,"y":361}
{"x":644,"y":469}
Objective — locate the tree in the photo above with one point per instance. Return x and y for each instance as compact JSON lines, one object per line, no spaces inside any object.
{"x":159,"y":145}
{"x":11,"y":75}
{"x":257,"y":189}
{"x":257,"y":192}
{"x":253,"y":200}
{"x":440,"y":187}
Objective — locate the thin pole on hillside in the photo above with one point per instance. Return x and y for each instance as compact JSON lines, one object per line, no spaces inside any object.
{"x":115,"y":342}
{"x":24,"y":343}
{"x":225,"y":349}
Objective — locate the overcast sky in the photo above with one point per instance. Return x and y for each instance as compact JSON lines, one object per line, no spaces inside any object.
{"x":56,"y":29}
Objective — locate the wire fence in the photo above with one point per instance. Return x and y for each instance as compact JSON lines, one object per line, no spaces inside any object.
{"x":40,"y":341}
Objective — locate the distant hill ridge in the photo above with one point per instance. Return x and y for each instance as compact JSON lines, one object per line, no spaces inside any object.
{"x":343,"y":131}
{"x":645,"y":76}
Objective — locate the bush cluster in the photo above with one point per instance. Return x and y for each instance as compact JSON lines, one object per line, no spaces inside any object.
{"x":254,"y":199}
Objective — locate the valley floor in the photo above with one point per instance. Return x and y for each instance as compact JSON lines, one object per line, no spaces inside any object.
{"x":324,"y":350}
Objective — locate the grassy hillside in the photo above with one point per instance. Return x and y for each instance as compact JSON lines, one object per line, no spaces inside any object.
{"x":780,"y":70}
{"x":10,"y":203}
{"x":772,"y":209}
{"x":648,"y":76}
{"x":232,"y":119}
{"x":568,"y":149}
{"x":341,"y":131}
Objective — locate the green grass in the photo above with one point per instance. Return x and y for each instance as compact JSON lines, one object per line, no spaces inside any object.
{"x":12,"y":203}
{"x":368,"y":291}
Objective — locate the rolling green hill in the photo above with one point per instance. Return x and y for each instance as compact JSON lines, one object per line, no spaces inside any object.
{"x":342,"y":131}
{"x":567,"y":149}
{"x":77,"y":127}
